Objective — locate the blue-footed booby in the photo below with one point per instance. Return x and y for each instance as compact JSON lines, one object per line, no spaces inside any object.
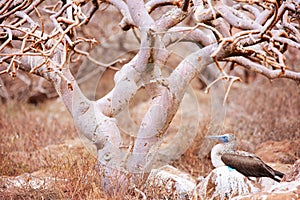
{"x":248,"y":164}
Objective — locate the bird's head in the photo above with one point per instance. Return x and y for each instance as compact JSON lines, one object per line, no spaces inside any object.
{"x":226,"y":138}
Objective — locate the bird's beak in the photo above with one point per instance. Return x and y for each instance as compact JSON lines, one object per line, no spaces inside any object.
{"x":216,"y":137}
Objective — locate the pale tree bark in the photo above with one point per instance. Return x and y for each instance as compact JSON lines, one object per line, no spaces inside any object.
{"x":251,"y":35}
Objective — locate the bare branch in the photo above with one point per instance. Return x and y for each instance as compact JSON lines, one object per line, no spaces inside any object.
{"x":9,"y":39}
{"x":271,"y":74}
{"x":170,"y":19}
{"x":127,"y":21}
{"x":19,"y":7}
{"x":139,"y":14}
{"x":236,"y":18}
{"x":153,"y":4}
{"x":178,"y":34}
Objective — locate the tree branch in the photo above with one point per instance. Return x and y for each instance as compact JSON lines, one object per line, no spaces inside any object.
{"x":269,"y":73}
{"x":153,"y":4}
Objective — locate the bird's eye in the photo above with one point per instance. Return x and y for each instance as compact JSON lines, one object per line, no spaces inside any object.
{"x":225,"y":139}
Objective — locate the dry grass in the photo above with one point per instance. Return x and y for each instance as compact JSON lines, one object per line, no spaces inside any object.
{"x":34,"y":140}
{"x":265,"y":110}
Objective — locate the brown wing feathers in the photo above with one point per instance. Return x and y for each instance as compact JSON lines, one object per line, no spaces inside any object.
{"x":249,"y":165}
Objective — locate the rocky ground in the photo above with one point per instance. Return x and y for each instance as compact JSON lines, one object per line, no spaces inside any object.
{"x":43,"y":156}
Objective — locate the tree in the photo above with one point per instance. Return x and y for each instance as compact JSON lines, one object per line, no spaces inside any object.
{"x":253,"y":35}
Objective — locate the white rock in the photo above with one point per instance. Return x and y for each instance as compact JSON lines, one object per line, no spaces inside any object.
{"x":173,"y":181}
{"x":225,"y":183}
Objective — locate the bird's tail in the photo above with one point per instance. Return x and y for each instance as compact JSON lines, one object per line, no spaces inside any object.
{"x":277,"y":174}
